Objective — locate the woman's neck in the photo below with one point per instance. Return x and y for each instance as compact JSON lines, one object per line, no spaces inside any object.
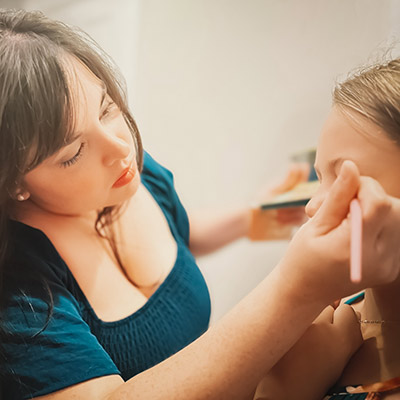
{"x":382,"y":303}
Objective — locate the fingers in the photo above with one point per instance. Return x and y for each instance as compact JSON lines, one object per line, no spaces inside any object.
{"x":345,"y":315}
{"x":382,"y":238}
{"x":375,"y":204}
{"x":347,"y":323}
{"x":380,"y":231}
{"x":293,"y":216}
{"x":335,"y":304}
{"x":389,"y":236}
{"x":297,"y":173}
{"x":326,"y":315}
{"x":335,"y":207}
{"x":265,"y":226}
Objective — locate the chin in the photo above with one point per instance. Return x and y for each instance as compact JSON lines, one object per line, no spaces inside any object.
{"x":124,"y":193}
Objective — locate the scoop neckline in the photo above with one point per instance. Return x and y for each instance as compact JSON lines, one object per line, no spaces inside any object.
{"x":139,"y":311}
{"x":150,"y":300}
{"x":155,"y":295}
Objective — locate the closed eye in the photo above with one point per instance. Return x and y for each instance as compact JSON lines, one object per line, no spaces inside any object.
{"x":109,"y":109}
{"x":75,"y":158}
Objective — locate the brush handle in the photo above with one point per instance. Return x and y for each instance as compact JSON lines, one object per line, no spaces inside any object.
{"x":356,"y":241}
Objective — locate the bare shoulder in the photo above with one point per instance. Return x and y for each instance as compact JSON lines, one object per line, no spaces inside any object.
{"x":93,"y":389}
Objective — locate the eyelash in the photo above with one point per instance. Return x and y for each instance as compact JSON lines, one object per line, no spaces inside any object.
{"x":78,"y":155}
{"x":75,"y":158}
{"x":108,"y":109}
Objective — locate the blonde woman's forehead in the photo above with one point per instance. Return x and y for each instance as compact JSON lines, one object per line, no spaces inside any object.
{"x":345,"y":131}
{"x":361,"y":125}
{"x":364,"y":143}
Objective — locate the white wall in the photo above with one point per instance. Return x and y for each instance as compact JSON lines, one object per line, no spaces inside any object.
{"x":225,"y":90}
{"x":114,"y":27}
{"x":228,"y":89}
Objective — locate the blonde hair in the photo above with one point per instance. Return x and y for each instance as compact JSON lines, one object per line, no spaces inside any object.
{"x":374,"y":93}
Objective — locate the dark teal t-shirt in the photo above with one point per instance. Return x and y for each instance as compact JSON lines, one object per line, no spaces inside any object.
{"x":42,"y":353}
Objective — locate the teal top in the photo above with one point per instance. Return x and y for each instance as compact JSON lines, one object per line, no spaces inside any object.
{"x":45,"y":350}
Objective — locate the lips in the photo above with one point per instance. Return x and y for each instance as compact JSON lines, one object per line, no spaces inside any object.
{"x":127,"y":175}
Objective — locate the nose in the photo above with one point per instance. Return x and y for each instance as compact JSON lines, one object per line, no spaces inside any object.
{"x":315,"y":203}
{"x":116,"y":147}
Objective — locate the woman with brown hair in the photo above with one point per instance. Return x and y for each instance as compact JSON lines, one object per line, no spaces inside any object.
{"x":100,"y":296}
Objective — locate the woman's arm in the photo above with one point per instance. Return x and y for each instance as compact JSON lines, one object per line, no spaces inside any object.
{"x":211,"y":230}
{"x":316,"y":361}
{"x":228,"y":361}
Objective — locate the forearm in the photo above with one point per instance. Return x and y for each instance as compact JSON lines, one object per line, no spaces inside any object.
{"x":211,"y":231}
{"x":321,"y":353}
{"x":228,"y":361}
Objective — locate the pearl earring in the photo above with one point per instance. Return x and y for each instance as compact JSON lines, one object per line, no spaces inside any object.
{"x":23,"y":196}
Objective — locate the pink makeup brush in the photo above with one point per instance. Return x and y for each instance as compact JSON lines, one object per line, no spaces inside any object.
{"x":356,"y":241}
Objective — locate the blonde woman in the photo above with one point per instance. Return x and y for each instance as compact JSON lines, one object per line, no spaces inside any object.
{"x":364,"y":127}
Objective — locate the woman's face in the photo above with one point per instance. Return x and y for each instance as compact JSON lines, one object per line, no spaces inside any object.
{"x":98,"y":168}
{"x":356,"y":139}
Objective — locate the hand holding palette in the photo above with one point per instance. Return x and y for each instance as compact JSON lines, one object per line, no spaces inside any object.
{"x":298,"y":196}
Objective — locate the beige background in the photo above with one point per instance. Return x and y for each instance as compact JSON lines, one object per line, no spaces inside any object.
{"x":225,"y":90}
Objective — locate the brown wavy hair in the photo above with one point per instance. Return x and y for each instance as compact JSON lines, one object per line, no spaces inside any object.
{"x":36,"y":105}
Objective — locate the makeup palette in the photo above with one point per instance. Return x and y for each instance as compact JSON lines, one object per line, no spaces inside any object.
{"x":298,"y":196}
